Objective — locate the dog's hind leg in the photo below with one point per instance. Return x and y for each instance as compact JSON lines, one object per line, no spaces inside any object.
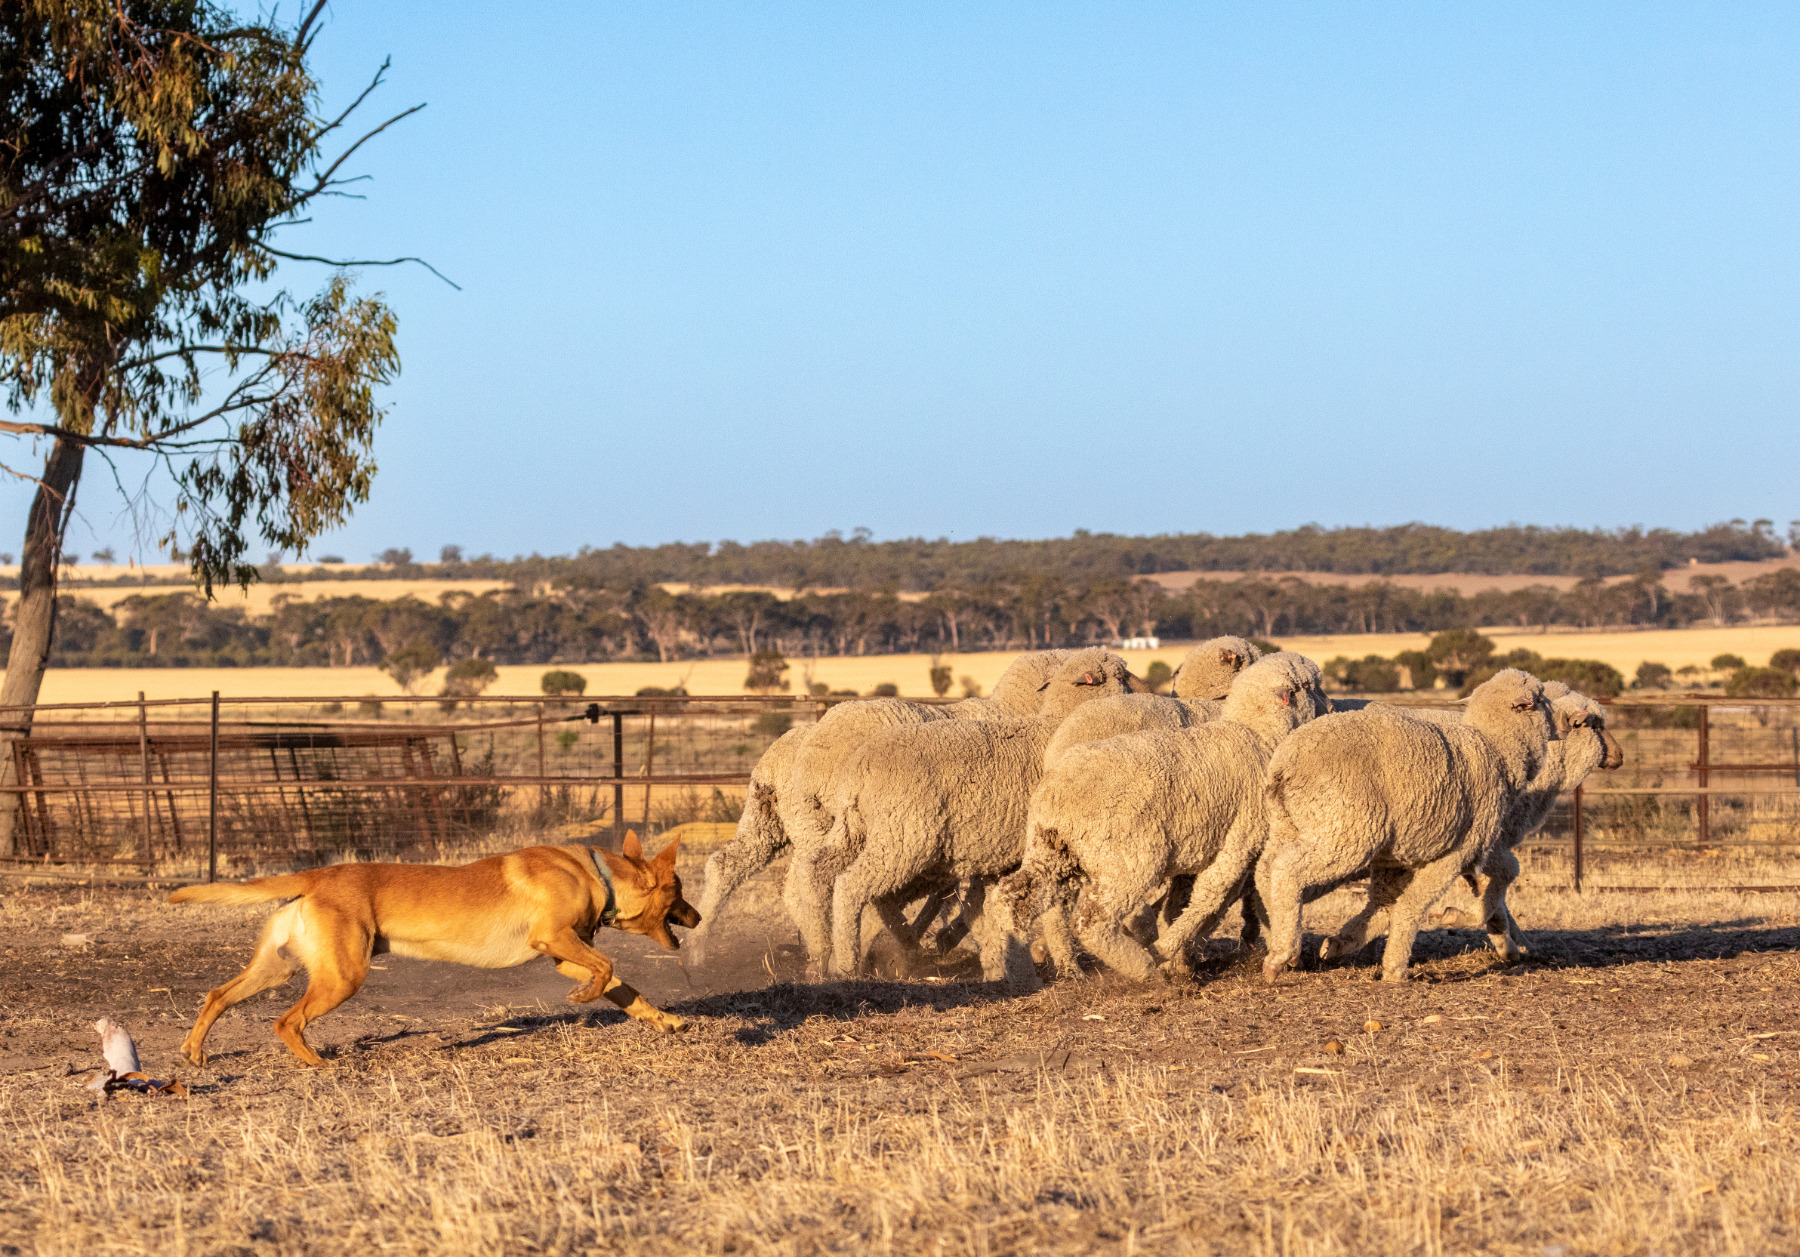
{"x":268,"y":968}
{"x":336,"y":955}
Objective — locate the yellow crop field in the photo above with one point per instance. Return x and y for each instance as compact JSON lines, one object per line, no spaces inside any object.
{"x":260,"y":596}
{"x":911,"y":673}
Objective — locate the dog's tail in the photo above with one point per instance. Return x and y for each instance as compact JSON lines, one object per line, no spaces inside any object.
{"x":286,"y":886}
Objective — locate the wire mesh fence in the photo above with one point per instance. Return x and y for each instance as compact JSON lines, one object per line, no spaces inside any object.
{"x":199,"y":784}
{"x":246,"y":785}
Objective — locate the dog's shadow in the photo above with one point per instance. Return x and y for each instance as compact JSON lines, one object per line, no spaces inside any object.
{"x":768,"y":1012}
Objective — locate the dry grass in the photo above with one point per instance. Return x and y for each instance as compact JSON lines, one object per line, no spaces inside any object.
{"x":1628,"y":1092}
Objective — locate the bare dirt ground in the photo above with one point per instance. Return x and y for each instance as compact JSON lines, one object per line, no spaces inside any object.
{"x":1630,"y":1089}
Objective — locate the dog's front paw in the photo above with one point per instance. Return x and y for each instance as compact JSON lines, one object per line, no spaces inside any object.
{"x":194,"y":1056}
{"x":669,"y":1023}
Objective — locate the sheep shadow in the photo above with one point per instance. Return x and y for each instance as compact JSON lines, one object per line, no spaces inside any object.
{"x":1610,"y":946}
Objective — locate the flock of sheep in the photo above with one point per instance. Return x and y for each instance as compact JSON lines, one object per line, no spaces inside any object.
{"x":1074,"y":803}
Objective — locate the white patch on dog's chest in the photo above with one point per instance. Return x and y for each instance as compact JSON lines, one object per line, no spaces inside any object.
{"x":503,"y":946}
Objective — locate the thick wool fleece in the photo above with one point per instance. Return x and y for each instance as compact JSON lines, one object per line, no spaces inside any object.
{"x":1019,"y":688}
{"x":1210,"y":667}
{"x":1584,"y":746}
{"x":1115,"y":820}
{"x":1126,"y":713}
{"x":759,"y":839}
{"x":1382,"y":790}
{"x":1078,"y":677}
{"x":921,"y":809}
{"x":806,"y":818}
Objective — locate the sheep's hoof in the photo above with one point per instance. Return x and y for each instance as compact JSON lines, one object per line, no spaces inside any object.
{"x":1395,"y":975}
{"x":1332,"y":948}
{"x":1272,"y":971}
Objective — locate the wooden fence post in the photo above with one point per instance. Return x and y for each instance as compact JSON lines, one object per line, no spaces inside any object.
{"x":650,"y":764}
{"x":543,"y":786}
{"x":619,"y":780}
{"x":1700,"y":766}
{"x":1578,"y":840}
{"x":144,"y":764}
{"x":212,"y":805}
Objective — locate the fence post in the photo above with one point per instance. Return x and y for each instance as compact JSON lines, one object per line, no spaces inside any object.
{"x":1705,"y":809}
{"x":212,"y":803}
{"x":543,"y":786}
{"x":619,"y":780}
{"x":144,"y":763}
{"x":649,"y":767}
{"x":1578,"y":840}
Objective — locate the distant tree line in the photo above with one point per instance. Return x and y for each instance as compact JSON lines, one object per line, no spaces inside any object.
{"x":916,"y":565}
{"x":647,"y":622}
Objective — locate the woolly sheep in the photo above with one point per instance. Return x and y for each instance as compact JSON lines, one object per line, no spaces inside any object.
{"x":1115,"y":820}
{"x":1209,"y":668}
{"x":948,"y":790}
{"x":760,"y":837}
{"x":1379,"y":789}
{"x":1585,"y":745}
{"x":920,"y":809}
{"x":783,"y":808}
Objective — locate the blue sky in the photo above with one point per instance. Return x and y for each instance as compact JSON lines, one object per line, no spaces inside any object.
{"x":766,"y":270}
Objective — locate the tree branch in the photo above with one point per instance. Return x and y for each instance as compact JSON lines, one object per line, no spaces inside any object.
{"x":300,"y":35}
{"x":325,"y":179}
{"x":308,"y":257}
{"x":374,"y":83}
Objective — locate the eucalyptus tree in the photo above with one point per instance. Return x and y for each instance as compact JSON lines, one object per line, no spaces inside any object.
{"x":151,"y":154}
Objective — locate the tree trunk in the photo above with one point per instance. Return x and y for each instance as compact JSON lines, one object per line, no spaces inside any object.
{"x":34,"y":620}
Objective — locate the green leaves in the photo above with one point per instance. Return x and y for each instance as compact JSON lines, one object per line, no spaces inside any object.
{"x":153,"y":152}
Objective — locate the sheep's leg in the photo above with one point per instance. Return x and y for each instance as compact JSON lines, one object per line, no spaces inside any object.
{"x":1210,"y":893}
{"x":1004,"y":955}
{"x":1100,"y":914}
{"x":1502,"y":868}
{"x":865,"y":881}
{"x":1282,"y":880}
{"x":1385,"y":886}
{"x":807,"y":893}
{"x":760,"y":838}
{"x":915,"y":929}
{"x":1409,"y":911}
{"x":1181,"y":892}
{"x":1255,"y":915}
{"x":951,"y":936}
{"x":1059,"y":941}
{"x":1150,"y":922}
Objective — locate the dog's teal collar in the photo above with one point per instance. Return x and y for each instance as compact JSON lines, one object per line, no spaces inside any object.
{"x":610,"y":912}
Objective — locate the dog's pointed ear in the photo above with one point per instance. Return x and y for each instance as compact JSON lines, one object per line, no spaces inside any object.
{"x":665,"y":859}
{"x":632,"y":847}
